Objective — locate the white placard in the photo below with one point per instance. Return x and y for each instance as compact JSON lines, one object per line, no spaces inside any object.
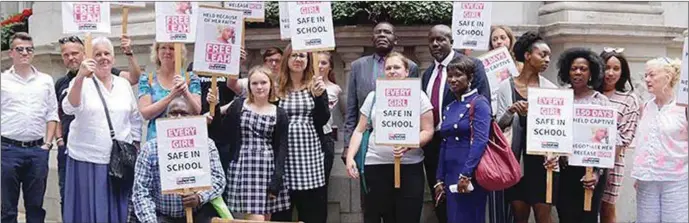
{"x":595,"y":136}
{"x":683,"y":88}
{"x":549,"y":121}
{"x":85,"y":17}
{"x":284,"y":21}
{"x":398,"y":109}
{"x":218,"y":41}
{"x":311,"y":26}
{"x":183,"y":156}
{"x":499,"y":66}
{"x":253,"y":11}
{"x":176,"y":21}
{"x":471,"y":25}
{"x":131,"y":4}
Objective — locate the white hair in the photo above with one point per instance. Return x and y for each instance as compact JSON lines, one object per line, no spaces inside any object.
{"x":104,"y":41}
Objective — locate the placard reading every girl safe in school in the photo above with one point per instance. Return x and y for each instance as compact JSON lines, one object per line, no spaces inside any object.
{"x":311,"y":26}
{"x":471,"y":25}
{"x":218,"y":41}
{"x":398,"y":107}
{"x":549,"y":121}
{"x":176,"y":21}
{"x":595,"y":136}
{"x":85,"y":17}
{"x":183,"y":156}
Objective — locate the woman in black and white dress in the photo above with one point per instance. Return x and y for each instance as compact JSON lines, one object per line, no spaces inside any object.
{"x":305,"y":100}
{"x":256,"y":169}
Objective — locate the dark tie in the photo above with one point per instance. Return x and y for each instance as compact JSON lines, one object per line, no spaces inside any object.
{"x":435,"y":96}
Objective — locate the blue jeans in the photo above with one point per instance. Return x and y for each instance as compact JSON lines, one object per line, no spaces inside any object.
{"x":26,"y":168}
{"x":61,"y":163}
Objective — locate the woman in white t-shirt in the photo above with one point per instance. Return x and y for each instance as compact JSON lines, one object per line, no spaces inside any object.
{"x":382,"y":199}
{"x":325,"y":66}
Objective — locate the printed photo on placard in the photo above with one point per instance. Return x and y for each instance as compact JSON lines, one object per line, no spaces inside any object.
{"x":176,"y":21}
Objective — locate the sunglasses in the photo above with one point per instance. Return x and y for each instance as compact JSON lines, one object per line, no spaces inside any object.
{"x":71,"y":39}
{"x":613,"y":50}
{"x":28,"y":49}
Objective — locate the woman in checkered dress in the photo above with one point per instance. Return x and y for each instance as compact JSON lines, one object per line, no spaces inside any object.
{"x":304,"y":99}
{"x":256,"y":170}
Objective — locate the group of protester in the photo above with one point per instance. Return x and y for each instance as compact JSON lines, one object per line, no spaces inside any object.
{"x":271,"y":140}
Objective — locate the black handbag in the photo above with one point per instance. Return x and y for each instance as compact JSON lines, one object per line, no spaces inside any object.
{"x":123,"y":154}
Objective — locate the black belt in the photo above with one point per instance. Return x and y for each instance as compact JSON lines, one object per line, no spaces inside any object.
{"x":13,"y":142}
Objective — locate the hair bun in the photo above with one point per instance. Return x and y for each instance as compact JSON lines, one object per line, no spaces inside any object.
{"x":524,"y":43}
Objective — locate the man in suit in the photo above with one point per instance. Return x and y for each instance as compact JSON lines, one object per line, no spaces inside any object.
{"x":433,"y":83}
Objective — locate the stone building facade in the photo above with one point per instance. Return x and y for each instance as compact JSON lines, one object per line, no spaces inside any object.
{"x":645,"y":29}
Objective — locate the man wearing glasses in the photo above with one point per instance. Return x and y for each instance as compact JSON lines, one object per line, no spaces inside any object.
{"x":73,"y":53}
{"x":29,"y":117}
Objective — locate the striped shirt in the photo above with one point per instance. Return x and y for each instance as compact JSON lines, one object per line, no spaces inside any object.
{"x":627,"y":104}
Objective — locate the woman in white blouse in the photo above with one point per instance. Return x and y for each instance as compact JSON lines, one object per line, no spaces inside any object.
{"x":660,"y":162}
{"x":90,"y":195}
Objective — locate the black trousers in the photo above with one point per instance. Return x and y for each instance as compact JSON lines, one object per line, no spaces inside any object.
{"x":329,"y":152}
{"x":431,"y":154}
{"x":570,"y":203}
{"x":384,"y":201}
{"x":311,"y":205}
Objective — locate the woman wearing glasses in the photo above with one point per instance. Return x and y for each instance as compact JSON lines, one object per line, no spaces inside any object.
{"x":660,"y":162}
{"x":617,"y":76}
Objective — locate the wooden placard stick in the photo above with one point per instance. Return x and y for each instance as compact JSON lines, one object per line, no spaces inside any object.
{"x":398,"y":162}
{"x":125,"y":16}
{"x":188,"y":211}
{"x":588,"y":193}
{"x":178,"y":58}
{"x":549,"y":182}
{"x":214,"y":88}
{"x":88,"y":46}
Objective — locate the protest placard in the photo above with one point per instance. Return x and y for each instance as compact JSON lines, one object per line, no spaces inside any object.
{"x":85,"y":17}
{"x":183,"y":157}
{"x":499,"y":66}
{"x":683,"y":88}
{"x":176,"y":21}
{"x":253,"y":11}
{"x":132,"y":4}
{"x":549,"y":123}
{"x":311,"y":26}
{"x":595,"y":136}
{"x":471,"y":25}
{"x":218,"y":41}
{"x":284,"y":21}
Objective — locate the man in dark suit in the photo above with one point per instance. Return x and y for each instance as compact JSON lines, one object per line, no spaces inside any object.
{"x":433,"y":83}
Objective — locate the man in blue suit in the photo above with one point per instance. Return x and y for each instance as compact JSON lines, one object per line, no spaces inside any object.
{"x":433,"y":83}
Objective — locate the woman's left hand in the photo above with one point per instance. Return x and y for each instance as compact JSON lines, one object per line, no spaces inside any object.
{"x":463,"y":184}
{"x":399,"y":151}
{"x":590,"y":183}
{"x":319,"y":86}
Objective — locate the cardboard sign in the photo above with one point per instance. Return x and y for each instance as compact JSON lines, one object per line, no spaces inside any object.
{"x":398,"y":112}
{"x":549,"y":122}
{"x":595,"y":136}
{"x":85,"y":17}
{"x":176,"y":21}
{"x":131,"y":4}
{"x":471,"y":25}
{"x":499,"y":66}
{"x":253,"y":11}
{"x":218,"y":41}
{"x":311,"y":26}
{"x":183,"y":156}
{"x":284,"y":21}
{"x":682,"y":93}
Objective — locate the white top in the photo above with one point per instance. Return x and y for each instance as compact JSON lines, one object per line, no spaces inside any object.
{"x":89,"y":135}
{"x":443,"y":81}
{"x":244,"y":85}
{"x":27,"y":105}
{"x":333,"y":97}
{"x":661,"y":143}
{"x":383,"y":154}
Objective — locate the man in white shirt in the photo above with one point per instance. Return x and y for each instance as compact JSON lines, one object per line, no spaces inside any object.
{"x":29,"y":119}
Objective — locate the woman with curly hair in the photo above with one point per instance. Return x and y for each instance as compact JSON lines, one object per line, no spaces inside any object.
{"x":583,"y":70}
{"x":512,"y":106}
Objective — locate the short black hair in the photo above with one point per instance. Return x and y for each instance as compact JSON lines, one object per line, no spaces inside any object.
{"x":21,"y":36}
{"x":596,"y":66}
{"x":525,"y":44}
{"x":625,"y":76}
{"x":462,"y":64}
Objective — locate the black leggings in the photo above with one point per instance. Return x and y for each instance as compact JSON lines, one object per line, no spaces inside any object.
{"x":392,"y":205}
{"x":311,"y":205}
{"x":570,"y":204}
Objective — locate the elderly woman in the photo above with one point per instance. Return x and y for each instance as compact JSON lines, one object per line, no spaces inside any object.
{"x":583,"y":70}
{"x":160,"y":86}
{"x":660,"y":162}
{"x":90,"y":195}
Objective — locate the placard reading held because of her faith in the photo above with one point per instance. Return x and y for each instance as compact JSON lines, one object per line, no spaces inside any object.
{"x":219,"y":41}
{"x":183,"y":156}
{"x":398,"y":112}
{"x":176,"y":21}
{"x":311,"y":26}
{"x":549,"y":121}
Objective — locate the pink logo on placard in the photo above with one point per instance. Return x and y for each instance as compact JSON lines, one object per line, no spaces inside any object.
{"x":84,"y":13}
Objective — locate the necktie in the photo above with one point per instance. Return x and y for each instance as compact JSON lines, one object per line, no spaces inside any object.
{"x":435,"y":95}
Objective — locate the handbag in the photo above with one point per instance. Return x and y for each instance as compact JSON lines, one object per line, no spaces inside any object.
{"x":498,"y":168}
{"x":122,"y":154}
{"x":360,"y":156}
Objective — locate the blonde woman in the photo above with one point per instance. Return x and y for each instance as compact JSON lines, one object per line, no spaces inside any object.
{"x":660,"y":162}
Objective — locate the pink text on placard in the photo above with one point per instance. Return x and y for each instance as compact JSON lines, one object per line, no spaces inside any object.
{"x":83,"y":13}
{"x":177,"y":23}
{"x":218,"y":53}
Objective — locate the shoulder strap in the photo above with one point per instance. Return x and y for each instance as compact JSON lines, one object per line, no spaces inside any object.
{"x":514,"y":89}
{"x":105,"y":107}
{"x":472,"y":104}
{"x":370,"y":111}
